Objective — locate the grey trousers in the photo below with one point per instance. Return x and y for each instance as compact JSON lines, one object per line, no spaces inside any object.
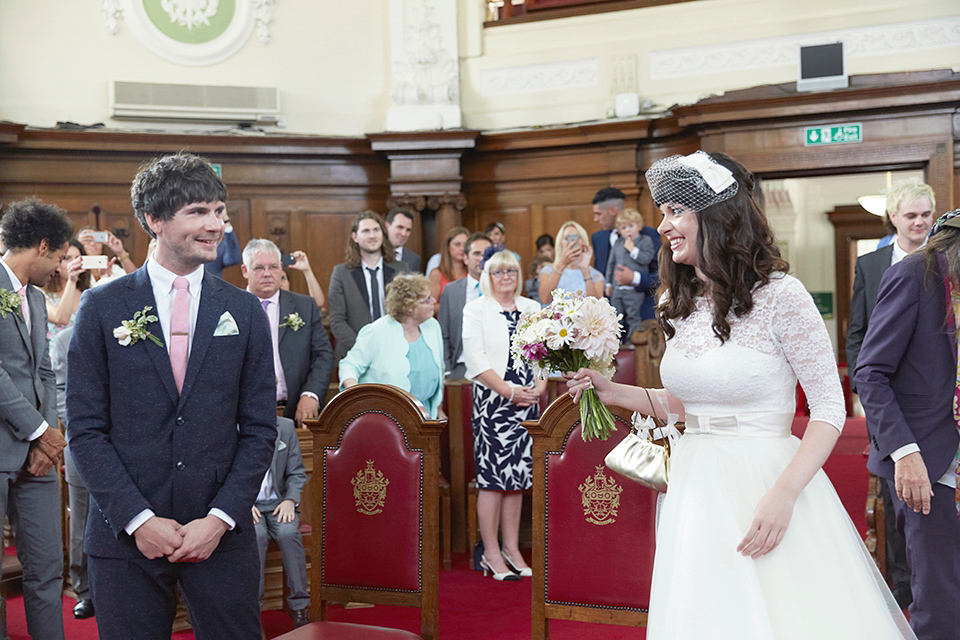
{"x":290,"y":542}
{"x":79,"y":499}
{"x":33,"y":505}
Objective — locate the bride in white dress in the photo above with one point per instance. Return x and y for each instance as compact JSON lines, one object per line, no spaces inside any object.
{"x":753,"y":542}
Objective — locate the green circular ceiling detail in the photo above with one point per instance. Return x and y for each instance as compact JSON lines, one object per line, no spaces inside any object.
{"x":191,"y":22}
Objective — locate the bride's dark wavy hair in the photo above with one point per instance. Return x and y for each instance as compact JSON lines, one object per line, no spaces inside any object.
{"x":736,"y":251}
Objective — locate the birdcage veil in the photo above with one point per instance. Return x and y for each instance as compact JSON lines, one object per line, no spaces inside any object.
{"x":695,"y":181}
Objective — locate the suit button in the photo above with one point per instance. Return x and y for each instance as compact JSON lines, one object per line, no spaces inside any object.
{"x":180,"y":421}
{"x":181,"y":466}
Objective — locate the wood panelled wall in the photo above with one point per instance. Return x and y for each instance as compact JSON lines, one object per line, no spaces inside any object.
{"x":302,"y":192}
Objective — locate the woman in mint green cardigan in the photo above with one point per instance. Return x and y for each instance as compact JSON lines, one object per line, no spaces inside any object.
{"x":403,"y":348}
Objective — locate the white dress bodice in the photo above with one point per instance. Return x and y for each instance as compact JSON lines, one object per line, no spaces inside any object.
{"x":755,"y":371}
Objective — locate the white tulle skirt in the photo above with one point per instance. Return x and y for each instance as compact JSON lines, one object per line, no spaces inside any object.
{"x":820,"y":583}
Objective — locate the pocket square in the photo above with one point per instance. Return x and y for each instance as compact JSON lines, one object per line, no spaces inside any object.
{"x":281,"y":445}
{"x":226,"y":326}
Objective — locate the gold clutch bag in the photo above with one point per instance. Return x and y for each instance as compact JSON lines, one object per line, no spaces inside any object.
{"x":639,"y":457}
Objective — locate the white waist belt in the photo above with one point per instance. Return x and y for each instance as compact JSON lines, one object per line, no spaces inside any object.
{"x":754,"y":425}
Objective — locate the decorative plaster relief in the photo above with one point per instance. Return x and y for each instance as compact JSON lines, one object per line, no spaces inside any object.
{"x":572,"y":74}
{"x":425,"y":70}
{"x":863,"y":42}
{"x":215,"y":29}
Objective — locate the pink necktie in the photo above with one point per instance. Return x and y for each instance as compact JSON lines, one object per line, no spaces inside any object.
{"x":180,"y":330}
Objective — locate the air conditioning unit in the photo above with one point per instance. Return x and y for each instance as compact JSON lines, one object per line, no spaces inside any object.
{"x":197,"y":103}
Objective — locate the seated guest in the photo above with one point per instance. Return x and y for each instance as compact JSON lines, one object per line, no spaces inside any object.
{"x":571,"y":271}
{"x":455,"y":296}
{"x":545,"y":247}
{"x":503,"y":397}
{"x":302,"y":355}
{"x":451,"y":266}
{"x":275,"y":516}
{"x":532,"y":285}
{"x":77,"y":495}
{"x":63,"y":290}
{"x":634,"y":251}
{"x":403,"y":348}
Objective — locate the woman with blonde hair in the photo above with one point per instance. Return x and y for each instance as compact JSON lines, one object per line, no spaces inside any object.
{"x":571,"y":270}
{"x":403,"y":348}
{"x":503,"y":397}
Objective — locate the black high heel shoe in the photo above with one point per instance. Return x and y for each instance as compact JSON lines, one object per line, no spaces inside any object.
{"x":526,"y":572}
{"x":506,"y":576}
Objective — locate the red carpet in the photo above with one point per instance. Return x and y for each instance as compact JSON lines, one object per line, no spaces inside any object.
{"x":476,"y":608}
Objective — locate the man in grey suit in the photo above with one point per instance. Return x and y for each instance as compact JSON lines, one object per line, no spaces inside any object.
{"x":356,"y":293}
{"x":302,"y":355}
{"x":910,"y":208}
{"x":455,"y":295}
{"x":36,"y":237}
{"x":275,"y":516}
{"x":399,"y":227}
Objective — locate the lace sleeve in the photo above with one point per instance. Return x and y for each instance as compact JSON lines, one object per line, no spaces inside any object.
{"x":806,"y":345}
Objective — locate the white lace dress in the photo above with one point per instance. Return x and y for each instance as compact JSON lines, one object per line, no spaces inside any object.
{"x":819,"y":583}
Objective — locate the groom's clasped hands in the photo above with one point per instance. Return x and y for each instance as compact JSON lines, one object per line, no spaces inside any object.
{"x":192,"y":542}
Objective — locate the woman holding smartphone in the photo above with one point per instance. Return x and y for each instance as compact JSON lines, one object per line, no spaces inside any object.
{"x":571,"y":270}
{"x":63,"y":290}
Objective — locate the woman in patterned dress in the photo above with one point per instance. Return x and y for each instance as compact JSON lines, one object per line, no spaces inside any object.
{"x":502,"y":398}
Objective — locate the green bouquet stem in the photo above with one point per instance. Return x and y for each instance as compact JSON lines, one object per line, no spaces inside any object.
{"x":596,"y":421}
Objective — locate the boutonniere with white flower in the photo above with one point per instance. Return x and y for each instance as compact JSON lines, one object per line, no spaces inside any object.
{"x":294,"y":321}
{"x":12,"y":303}
{"x":130,"y":331}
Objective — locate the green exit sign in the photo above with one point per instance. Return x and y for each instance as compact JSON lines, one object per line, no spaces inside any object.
{"x":833,"y":134}
{"x":217,"y":169}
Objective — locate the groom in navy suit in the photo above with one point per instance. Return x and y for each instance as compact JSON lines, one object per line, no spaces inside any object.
{"x":171,"y":405}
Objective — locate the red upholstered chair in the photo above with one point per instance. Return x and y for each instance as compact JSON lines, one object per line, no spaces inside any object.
{"x":374,"y":510}
{"x":593,"y":530}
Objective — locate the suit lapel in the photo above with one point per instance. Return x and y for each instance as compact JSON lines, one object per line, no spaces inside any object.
{"x":357,"y":273}
{"x":141,"y":296}
{"x":208,"y":315}
{"x":38,"y":320}
{"x":21,"y":327}
{"x":286,"y":308}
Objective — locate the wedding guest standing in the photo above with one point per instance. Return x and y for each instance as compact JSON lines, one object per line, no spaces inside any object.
{"x":64,"y":288}
{"x":571,"y":271}
{"x":403,"y":348}
{"x":752,"y":538}
{"x":452,"y":266}
{"x":503,"y":397}
{"x":907,"y":376}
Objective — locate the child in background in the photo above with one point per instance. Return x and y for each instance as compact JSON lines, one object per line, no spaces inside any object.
{"x":532,"y":285}
{"x":634,"y":251}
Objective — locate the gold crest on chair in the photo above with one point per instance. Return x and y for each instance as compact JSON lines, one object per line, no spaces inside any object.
{"x":370,"y":490}
{"x":601,"y":498}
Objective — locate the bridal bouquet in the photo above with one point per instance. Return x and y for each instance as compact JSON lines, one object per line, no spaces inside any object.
{"x":574,"y":331}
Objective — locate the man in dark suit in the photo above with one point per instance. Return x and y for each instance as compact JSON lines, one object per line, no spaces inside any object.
{"x":36,"y":237}
{"x":399,"y":227}
{"x":356,"y":293}
{"x":302,"y":355}
{"x":454,"y":296}
{"x":910,"y":208}
{"x":907,"y":378}
{"x":171,"y":408}
{"x":275,"y":516}
{"x":607,"y":203}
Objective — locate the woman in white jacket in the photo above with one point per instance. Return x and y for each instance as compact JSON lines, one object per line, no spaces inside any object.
{"x":503,"y":397}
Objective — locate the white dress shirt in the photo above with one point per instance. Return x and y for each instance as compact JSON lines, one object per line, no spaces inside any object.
{"x":161,"y":279}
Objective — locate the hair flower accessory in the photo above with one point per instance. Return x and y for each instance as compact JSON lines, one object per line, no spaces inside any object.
{"x":10,"y":302}
{"x":949,"y":219}
{"x":131,"y":331}
{"x":294,"y":321}
{"x":488,"y":253}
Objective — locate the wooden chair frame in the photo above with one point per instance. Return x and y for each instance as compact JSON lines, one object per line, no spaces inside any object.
{"x":549,"y":434}
{"x":421,"y":435}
